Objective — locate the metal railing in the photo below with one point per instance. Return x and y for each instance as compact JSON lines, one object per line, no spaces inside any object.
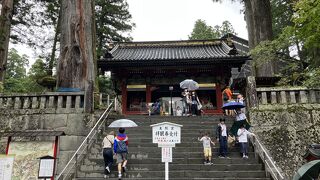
{"x":84,"y":147}
{"x":270,"y":165}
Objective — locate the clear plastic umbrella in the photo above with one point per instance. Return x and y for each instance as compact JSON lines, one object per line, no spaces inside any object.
{"x":189,"y":84}
{"x":125,"y":123}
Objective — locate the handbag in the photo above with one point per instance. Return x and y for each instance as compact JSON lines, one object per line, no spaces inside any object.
{"x":199,"y":106}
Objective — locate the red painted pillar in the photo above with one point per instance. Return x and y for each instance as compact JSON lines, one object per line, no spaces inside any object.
{"x":8,"y":144}
{"x":219,"y":98}
{"x":148,"y":94}
{"x":124,"y":94}
{"x":55,"y":152}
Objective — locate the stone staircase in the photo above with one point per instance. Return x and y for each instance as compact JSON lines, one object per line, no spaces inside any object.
{"x":145,"y":157}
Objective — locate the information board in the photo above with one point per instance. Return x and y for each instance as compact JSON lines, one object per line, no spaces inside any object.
{"x":46,"y":168}
{"x":6,"y":166}
{"x":166,"y":133}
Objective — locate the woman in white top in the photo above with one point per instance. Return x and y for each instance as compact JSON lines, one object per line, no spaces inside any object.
{"x":243,"y":140}
{"x":107,"y":145}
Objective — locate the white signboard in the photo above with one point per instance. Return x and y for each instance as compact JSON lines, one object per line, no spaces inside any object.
{"x":46,"y":168}
{"x":166,"y":154}
{"x":6,"y":165}
{"x":166,"y":133}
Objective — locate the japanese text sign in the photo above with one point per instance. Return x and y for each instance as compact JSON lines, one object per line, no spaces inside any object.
{"x":166,"y":133}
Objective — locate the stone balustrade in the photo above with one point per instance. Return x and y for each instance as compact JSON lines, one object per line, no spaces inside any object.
{"x":290,"y":95}
{"x":48,"y":100}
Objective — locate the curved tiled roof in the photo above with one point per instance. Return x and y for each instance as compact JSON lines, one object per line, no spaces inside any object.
{"x":173,"y":50}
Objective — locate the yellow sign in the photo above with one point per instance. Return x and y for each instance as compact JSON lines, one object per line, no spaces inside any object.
{"x":136,"y":86}
{"x":208,"y":85}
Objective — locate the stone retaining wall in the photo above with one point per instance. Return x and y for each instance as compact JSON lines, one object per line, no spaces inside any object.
{"x":48,"y":111}
{"x":286,"y":130}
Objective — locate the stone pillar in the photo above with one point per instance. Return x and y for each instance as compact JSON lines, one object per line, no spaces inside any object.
{"x":42,"y":102}
{"x":252,"y":92}
{"x":34,"y":104}
{"x":26,"y":103}
{"x":51,"y":101}
{"x":60,"y":101}
{"x":9,"y":102}
{"x":313,"y":97}
{"x":283,"y":97}
{"x":1,"y":102}
{"x":77,"y":103}
{"x":293,"y":97}
{"x":303,"y":97}
{"x":17,"y":103}
{"x":273,"y":97}
{"x":264,"y":99}
{"x":69,"y":102}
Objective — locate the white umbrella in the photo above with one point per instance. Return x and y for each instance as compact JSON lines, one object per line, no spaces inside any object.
{"x":122,"y":123}
{"x":189,"y":84}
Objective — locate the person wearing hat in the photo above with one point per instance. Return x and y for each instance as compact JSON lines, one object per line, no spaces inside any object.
{"x":222,"y":138}
{"x":107,"y":144}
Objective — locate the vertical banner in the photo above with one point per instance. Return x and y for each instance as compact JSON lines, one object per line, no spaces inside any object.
{"x":6,"y":166}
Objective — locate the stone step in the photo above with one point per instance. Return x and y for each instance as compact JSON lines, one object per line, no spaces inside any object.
{"x":152,"y":167}
{"x":143,"y":155}
{"x":187,"y":174}
{"x":185,"y":160}
{"x":176,"y":149}
{"x":95,"y":178}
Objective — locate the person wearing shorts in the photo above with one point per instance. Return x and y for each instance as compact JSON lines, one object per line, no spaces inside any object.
{"x":206,"y":140}
{"x":120,"y":147}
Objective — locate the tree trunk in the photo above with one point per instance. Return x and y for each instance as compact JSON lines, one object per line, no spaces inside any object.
{"x":5,"y":24}
{"x":76,"y":63}
{"x":259,"y":24}
{"x":54,"y":46}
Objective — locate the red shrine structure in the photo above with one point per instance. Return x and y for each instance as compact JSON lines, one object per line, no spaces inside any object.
{"x":145,"y":72}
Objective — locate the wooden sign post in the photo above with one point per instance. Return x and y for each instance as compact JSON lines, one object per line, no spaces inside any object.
{"x":166,"y":135}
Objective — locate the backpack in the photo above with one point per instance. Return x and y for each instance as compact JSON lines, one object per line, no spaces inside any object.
{"x":122,"y":147}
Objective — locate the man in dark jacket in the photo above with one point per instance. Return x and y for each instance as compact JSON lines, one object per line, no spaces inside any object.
{"x":222,"y":137}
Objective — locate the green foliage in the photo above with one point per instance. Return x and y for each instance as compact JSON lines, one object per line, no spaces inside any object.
{"x":203,"y":31}
{"x":16,"y":77}
{"x":105,"y":84}
{"x":297,"y":24}
{"x":38,"y":69}
{"x":113,"y":23}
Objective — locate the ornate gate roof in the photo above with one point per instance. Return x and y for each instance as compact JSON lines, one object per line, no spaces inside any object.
{"x":171,"y":53}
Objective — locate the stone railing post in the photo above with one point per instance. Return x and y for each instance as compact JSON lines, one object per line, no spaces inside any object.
{"x":34,"y":104}
{"x":313,"y":97}
{"x":9,"y":102}
{"x":51,"y":101}
{"x":17,"y":103}
{"x":252,"y":92}
{"x":283,"y":97}
{"x":1,"y":102}
{"x":273,"y":97}
{"x":26,"y":103}
{"x":42,"y":102}
{"x":77,"y":103}
{"x":68,"y":103}
{"x":60,"y":101}
{"x":264,"y":99}
{"x":292,"y":97}
{"x":303,"y":97}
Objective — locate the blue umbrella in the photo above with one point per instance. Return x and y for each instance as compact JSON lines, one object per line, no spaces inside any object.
{"x":233,"y":105}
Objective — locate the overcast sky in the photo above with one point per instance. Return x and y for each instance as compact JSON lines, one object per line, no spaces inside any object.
{"x":158,"y":20}
{"x":174,"y":19}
